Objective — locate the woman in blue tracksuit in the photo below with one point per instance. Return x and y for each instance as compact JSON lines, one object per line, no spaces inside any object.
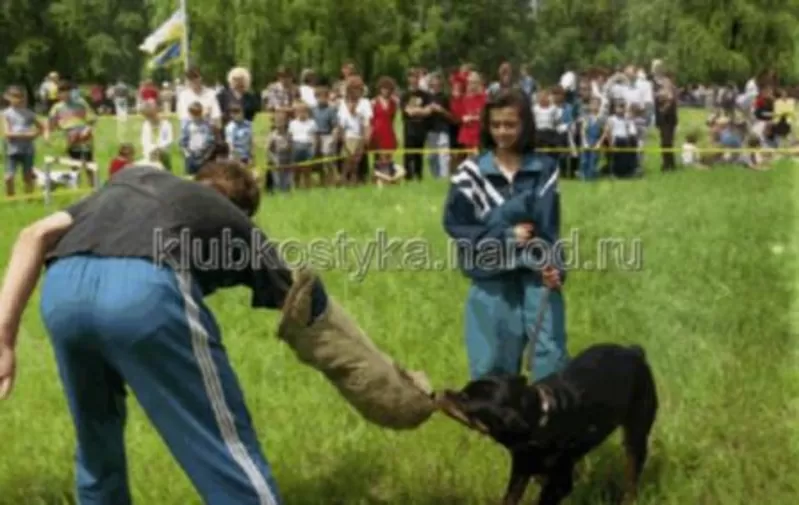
{"x":503,"y":212}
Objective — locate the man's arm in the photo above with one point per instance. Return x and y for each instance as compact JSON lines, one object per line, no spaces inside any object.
{"x":22,"y":273}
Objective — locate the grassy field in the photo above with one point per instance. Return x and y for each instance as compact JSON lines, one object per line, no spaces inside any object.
{"x":711,"y":302}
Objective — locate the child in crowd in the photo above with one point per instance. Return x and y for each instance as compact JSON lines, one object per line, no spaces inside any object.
{"x":565,"y":119}
{"x":547,"y":116}
{"x":690,"y":152}
{"x":326,"y":117}
{"x":156,"y":136}
{"x":302,"y":132}
{"x":728,"y":137}
{"x":592,"y":125}
{"x":622,"y":138}
{"x":197,"y":139}
{"x":20,"y":130}
{"x":238,"y":136}
{"x":278,"y":152}
{"x":72,"y":115}
{"x":123,"y":158}
{"x":390,"y":173}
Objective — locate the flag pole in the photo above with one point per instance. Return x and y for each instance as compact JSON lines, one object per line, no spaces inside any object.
{"x":185,"y":42}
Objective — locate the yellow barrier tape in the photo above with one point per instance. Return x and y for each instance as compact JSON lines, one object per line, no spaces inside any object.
{"x":401,"y":151}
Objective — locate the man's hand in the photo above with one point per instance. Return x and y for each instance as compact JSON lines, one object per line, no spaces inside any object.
{"x":8,"y":369}
{"x":523,"y":232}
{"x":551,"y":277}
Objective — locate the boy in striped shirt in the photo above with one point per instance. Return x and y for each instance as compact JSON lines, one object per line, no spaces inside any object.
{"x":72,"y":115}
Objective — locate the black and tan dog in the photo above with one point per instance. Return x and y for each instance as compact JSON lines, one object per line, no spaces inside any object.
{"x":550,"y":425}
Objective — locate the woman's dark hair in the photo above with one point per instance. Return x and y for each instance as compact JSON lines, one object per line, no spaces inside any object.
{"x":510,"y":98}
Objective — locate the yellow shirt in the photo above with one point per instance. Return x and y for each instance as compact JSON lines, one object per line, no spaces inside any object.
{"x":785,"y":108}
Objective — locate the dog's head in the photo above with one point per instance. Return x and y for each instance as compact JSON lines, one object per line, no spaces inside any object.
{"x":502,"y":407}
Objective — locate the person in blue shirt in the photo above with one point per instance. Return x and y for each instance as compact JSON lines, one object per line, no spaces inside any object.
{"x":503,"y":212}
{"x":592,"y":126}
{"x":197,"y":140}
{"x":238,"y":136}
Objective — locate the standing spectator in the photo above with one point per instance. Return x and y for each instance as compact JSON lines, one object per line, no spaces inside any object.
{"x":97,"y":98}
{"x":302,"y":131}
{"x":414,"y":114}
{"x":527,"y":83}
{"x":76,"y":119}
{"x":505,"y":81}
{"x":279,"y":93}
{"x":120,"y":95}
{"x":326,"y":117}
{"x":156,"y":136}
{"x":278,"y":152}
{"x":197,"y":139}
{"x":438,"y":128}
{"x":197,"y":92}
{"x":665,"y":113}
{"x":238,"y":93}
{"x":470,"y":112}
{"x":20,"y":129}
{"x":458,"y":91}
{"x":167,"y":98}
{"x":568,"y":81}
{"x":238,"y":136}
{"x":307,"y":90}
{"x":384,"y":138}
{"x":355,"y":120}
{"x":49,"y":90}
{"x":148,"y":92}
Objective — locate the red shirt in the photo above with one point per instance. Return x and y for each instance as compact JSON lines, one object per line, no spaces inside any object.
{"x":117,"y":164}
{"x":469,"y":133}
{"x":149,"y":93}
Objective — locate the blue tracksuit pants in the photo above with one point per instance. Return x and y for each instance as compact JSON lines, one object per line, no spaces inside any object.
{"x":120,"y":321}
{"x":500,"y":319}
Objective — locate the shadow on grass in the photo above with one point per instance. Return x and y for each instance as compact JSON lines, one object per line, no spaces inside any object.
{"x":600,"y":477}
{"x":355,"y":480}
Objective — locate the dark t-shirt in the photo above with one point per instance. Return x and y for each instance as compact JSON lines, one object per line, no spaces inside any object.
{"x":152,"y":214}
{"x":437,"y":122}
{"x":414,"y":126}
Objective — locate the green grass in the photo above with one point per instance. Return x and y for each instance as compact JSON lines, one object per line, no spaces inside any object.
{"x":712,"y":304}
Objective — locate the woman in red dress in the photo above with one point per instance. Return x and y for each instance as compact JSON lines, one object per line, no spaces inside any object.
{"x":384,"y":139}
{"x":456,"y":102}
{"x":470,"y":109}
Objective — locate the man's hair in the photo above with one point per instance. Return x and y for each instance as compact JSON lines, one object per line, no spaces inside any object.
{"x":234,"y":181}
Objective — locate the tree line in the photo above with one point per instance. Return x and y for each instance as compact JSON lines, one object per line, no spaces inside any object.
{"x":708,"y":41}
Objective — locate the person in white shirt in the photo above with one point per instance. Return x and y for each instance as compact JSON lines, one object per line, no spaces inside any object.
{"x":307,"y":89}
{"x":302,"y":132}
{"x":195,"y":91}
{"x":690,"y":152}
{"x":547,"y":116}
{"x":621,"y":132}
{"x":157,"y":136}
{"x":354,"y":119}
{"x":568,"y":81}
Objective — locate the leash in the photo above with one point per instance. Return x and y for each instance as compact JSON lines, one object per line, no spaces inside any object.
{"x":544,"y":302}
